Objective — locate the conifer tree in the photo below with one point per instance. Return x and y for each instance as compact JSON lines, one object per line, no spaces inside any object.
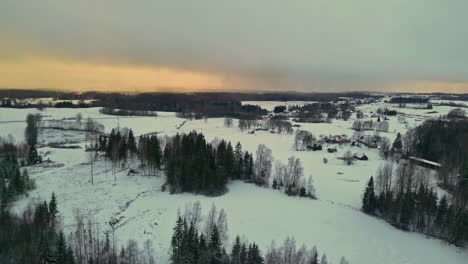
{"x":17,"y":182}
{"x":215,"y":247}
{"x":4,"y":202}
{"x":236,"y":250}
{"x":441,"y":213}
{"x":369,"y":199}
{"x":238,"y":161}
{"x":131,"y":142}
{"x":61,"y":249}
{"x":314,"y":256}
{"x":203,"y":256}
{"x":398,"y":143}
{"x":254,"y":256}
{"x":45,"y":256}
{"x":176,"y":242}
{"x":53,"y":210}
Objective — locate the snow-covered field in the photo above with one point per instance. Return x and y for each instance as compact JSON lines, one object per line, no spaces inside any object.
{"x":333,"y":223}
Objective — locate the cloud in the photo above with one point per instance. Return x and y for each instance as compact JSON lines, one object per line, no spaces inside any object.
{"x":47,"y":73}
{"x":304,"y":44}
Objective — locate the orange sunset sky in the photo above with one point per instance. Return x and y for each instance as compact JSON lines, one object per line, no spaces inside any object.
{"x":314,"y":46}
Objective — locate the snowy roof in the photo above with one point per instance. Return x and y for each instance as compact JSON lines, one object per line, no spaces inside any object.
{"x":426,"y":161}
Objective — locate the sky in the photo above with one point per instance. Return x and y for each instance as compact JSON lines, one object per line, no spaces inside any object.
{"x":242,"y":45}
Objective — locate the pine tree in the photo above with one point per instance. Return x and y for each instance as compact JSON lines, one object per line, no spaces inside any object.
{"x":176,"y":242}
{"x":61,"y":249}
{"x":29,"y":185}
{"x":238,"y":161}
{"x":53,"y":210}
{"x":155,"y":152}
{"x":441,"y":214}
{"x":123,"y":149}
{"x":17,"y":182}
{"x":214,"y":247}
{"x":315,"y":256}
{"x":33,"y":157}
{"x":243,"y":254}
{"x":235,"y":253}
{"x":254,"y":256}
{"x":203,"y":256}
{"x":369,"y":199}
{"x":398,"y":143}
{"x":131,"y":142}
{"x":110,"y":143}
{"x":45,"y":256}
{"x":70,"y":255}
{"x":4,"y":199}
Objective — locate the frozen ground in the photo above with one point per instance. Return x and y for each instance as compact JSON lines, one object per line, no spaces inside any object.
{"x":333,"y":223}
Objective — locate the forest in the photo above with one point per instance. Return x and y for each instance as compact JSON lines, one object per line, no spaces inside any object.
{"x":312,"y":113}
{"x":405,"y":200}
{"x":440,"y":140}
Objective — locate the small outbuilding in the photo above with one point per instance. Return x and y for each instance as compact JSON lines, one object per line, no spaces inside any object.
{"x":332,"y":150}
{"x":361,"y":157}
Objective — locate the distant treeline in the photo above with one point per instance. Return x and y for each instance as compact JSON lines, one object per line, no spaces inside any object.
{"x":314,"y":113}
{"x":271,"y":96}
{"x":409,"y":100}
{"x":122,"y":112}
{"x":209,"y":104}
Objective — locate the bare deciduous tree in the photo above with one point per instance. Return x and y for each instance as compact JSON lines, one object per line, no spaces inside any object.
{"x":262,"y":165}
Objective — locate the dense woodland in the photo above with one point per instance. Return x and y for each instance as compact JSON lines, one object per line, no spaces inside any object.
{"x":409,"y":100}
{"x":314,"y":113}
{"x":441,"y":140}
{"x":404,"y":199}
{"x":193,"y":165}
{"x":123,"y":112}
{"x":190,"y":163}
{"x":13,"y":181}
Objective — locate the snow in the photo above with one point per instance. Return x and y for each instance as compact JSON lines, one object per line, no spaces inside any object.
{"x":333,"y":223}
{"x":426,"y":161}
{"x":270,"y":105}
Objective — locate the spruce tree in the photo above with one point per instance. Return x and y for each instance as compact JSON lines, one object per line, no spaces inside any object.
{"x":214,"y":247}
{"x":61,"y":249}
{"x":176,"y":242}
{"x":17,"y":182}
{"x":441,"y":214}
{"x":45,"y":256}
{"x":235,"y":253}
{"x":398,"y":143}
{"x":315,"y":256}
{"x":203,"y":256}
{"x":254,"y":256}
{"x":369,"y":199}
{"x":53,"y":210}
{"x":4,"y":202}
{"x":243,"y":254}
{"x":238,"y":161}
{"x":70,"y":255}
{"x":131,"y":142}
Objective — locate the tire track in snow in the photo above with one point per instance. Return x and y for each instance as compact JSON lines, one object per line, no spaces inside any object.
{"x":118,"y":216}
